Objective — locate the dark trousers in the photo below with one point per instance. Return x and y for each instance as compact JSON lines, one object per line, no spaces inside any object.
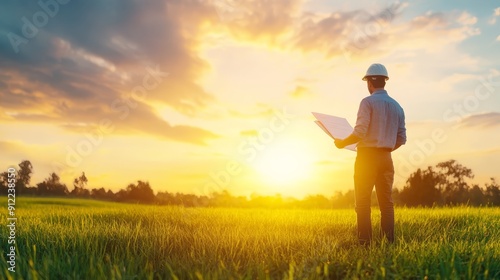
{"x":374,"y":167}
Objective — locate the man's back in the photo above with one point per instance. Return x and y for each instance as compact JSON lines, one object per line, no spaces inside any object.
{"x":381,"y":122}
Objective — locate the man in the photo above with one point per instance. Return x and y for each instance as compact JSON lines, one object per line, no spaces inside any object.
{"x":380,"y":129}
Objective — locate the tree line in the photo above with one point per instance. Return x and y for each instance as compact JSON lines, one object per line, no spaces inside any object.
{"x":444,"y":184}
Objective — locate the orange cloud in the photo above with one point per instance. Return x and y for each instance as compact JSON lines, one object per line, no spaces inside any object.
{"x":257,"y":20}
{"x":88,"y":65}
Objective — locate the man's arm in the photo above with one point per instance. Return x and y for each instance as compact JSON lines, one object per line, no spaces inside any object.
{"x":351,"y":139}
{"x":361,"y":128}
{"x":401,"y":138}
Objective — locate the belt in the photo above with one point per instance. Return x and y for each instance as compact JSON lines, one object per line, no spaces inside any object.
{"x":374,"y":149}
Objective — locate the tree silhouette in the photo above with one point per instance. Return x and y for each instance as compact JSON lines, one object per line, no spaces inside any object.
{"x":166,"y":198}
{"x":4,"y":182}
{"x":421,"y":188}
{"x":492,"y":193}
{"x":476,"y":196}
{"x":443,"y":184}
{"x":98,"y":193}
{"x":52,"y":186}
{"x":453,"y":186}
{"x":138,"y":193}
{"x":24,"y":175}
{"x":79,"y":184}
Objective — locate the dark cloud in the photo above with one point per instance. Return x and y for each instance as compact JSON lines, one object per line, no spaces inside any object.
{"x":88,"y":54}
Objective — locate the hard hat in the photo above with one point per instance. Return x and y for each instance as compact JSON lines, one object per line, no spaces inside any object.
{"x":376,"y":69}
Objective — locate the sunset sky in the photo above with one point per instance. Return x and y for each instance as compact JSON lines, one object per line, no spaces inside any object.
{"x":200,"y":96}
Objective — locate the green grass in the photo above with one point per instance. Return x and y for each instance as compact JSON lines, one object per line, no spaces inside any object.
{"x":79,"y":239}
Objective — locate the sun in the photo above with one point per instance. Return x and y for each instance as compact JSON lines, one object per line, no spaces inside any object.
{"x":284,"y":164}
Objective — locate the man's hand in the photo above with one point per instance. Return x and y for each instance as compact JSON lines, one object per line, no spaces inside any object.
{"x":339,"y":143}
{"x":351,"y":139}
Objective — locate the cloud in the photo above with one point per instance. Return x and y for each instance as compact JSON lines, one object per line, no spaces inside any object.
{"x":14,"y":152}
{"x":146,"y":121}
{"x":257,"y":19}
{"x":286,"y":25}
{"x":467,"y":19}
{"x":344,"y":33}
{"x":9,"y":146}
{"x":441,"y":29}
{"x":300,"y":92}
{"x":89,"y":59}
{"x":448,"y":83}
{"x":496,"y":13}
{"x":92,"y":53}
{"x":486,"y":120}
{"x":498,"y":38}
{"x":366,"y":34}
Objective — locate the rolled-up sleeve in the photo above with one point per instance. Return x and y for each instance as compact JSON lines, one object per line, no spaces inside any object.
{"x":363,"y":120}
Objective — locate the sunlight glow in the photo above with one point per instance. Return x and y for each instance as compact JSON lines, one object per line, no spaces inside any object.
{"x":284,"y":164}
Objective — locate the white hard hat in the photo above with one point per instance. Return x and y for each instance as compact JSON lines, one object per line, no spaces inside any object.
{"x":376,"y":69}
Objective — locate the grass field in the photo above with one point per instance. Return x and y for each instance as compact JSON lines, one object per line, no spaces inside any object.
{"x":79,"y":239}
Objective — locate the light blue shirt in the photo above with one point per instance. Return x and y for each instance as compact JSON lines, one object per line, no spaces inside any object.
{"x":381,"y":122}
